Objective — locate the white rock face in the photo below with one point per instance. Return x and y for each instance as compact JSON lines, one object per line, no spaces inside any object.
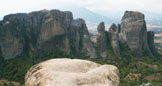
{"x":72,"y":72}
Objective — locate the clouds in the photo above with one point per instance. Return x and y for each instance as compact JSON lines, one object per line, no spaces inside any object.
{"x":14,"y":6}
{"x":120,"y":5}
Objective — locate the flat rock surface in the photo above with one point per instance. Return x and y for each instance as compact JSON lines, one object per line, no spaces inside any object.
{"x":72,"y":72}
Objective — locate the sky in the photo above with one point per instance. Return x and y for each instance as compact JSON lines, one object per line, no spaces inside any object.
{"x":100,"y":6}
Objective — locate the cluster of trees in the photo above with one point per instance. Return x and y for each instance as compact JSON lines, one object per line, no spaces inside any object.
{"x":127,"y":63}
{"x":15,"y":69}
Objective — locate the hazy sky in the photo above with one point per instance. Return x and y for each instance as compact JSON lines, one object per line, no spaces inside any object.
{"x":14,"y":6}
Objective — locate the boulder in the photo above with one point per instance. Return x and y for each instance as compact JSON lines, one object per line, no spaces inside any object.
{"x":72,"y":72}
{"x":114,"y":38}
{"x":101,"y":42}
{"x":134,"y":33}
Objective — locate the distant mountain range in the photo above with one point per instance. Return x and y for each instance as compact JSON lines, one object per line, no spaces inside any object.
{"x":90,"y":17}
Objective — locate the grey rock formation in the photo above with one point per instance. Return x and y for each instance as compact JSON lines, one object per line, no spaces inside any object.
{"x":81,"y":43}
{"x":150,"y":37}
{"x":43,"y":32}
{"x":72,"y":72}
{"x":134,"y":33}
{"x":101,"y":42}
{"x":11,"y":36}
{"x":114,"y":38}
{"x":53,"y":32}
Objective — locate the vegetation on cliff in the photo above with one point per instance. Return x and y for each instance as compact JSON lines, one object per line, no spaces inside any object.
{"x":146,"y":66}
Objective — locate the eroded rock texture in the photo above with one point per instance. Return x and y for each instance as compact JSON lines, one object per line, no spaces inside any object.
{"x":150,"y":36}
{"x":134,"y":33}
{"x":114,"y":38}
{"x":12,"y":36}
{"x":72,"y":72}
{"x":43,"y":32}
{"x":102,"y":43}
{"x":81,"y":42}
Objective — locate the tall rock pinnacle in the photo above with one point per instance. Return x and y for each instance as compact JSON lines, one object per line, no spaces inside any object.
{"x":102,"y":40}
{"x":134,"y":33}
{"x":114,"y":37}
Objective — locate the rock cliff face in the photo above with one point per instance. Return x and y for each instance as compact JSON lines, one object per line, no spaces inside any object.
{"x":80,"y":39}
{"x":12,"y":35}
{"x":42,"y":32}
{"x":101,"y":42}
{"x":53,"y":32}
{"x":72,"y":72}
{"x":150,"y":36}
{"x":134,"y":33}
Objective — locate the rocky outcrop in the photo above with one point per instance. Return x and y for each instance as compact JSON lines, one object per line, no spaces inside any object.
{"x":9,"y":83}
{"x":131,"y":33}
{"x":43,"y":32}
{"x":101,"y":42}
{"x":134,"y":33}
{"x":150,"y":36}
{"x":53,"y":32}
{"x":133,"y":77}
{"x":81,"y":43}
{"x":114,"y":38}
{"x":72,"y":72}
{"x":146,"y":84}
